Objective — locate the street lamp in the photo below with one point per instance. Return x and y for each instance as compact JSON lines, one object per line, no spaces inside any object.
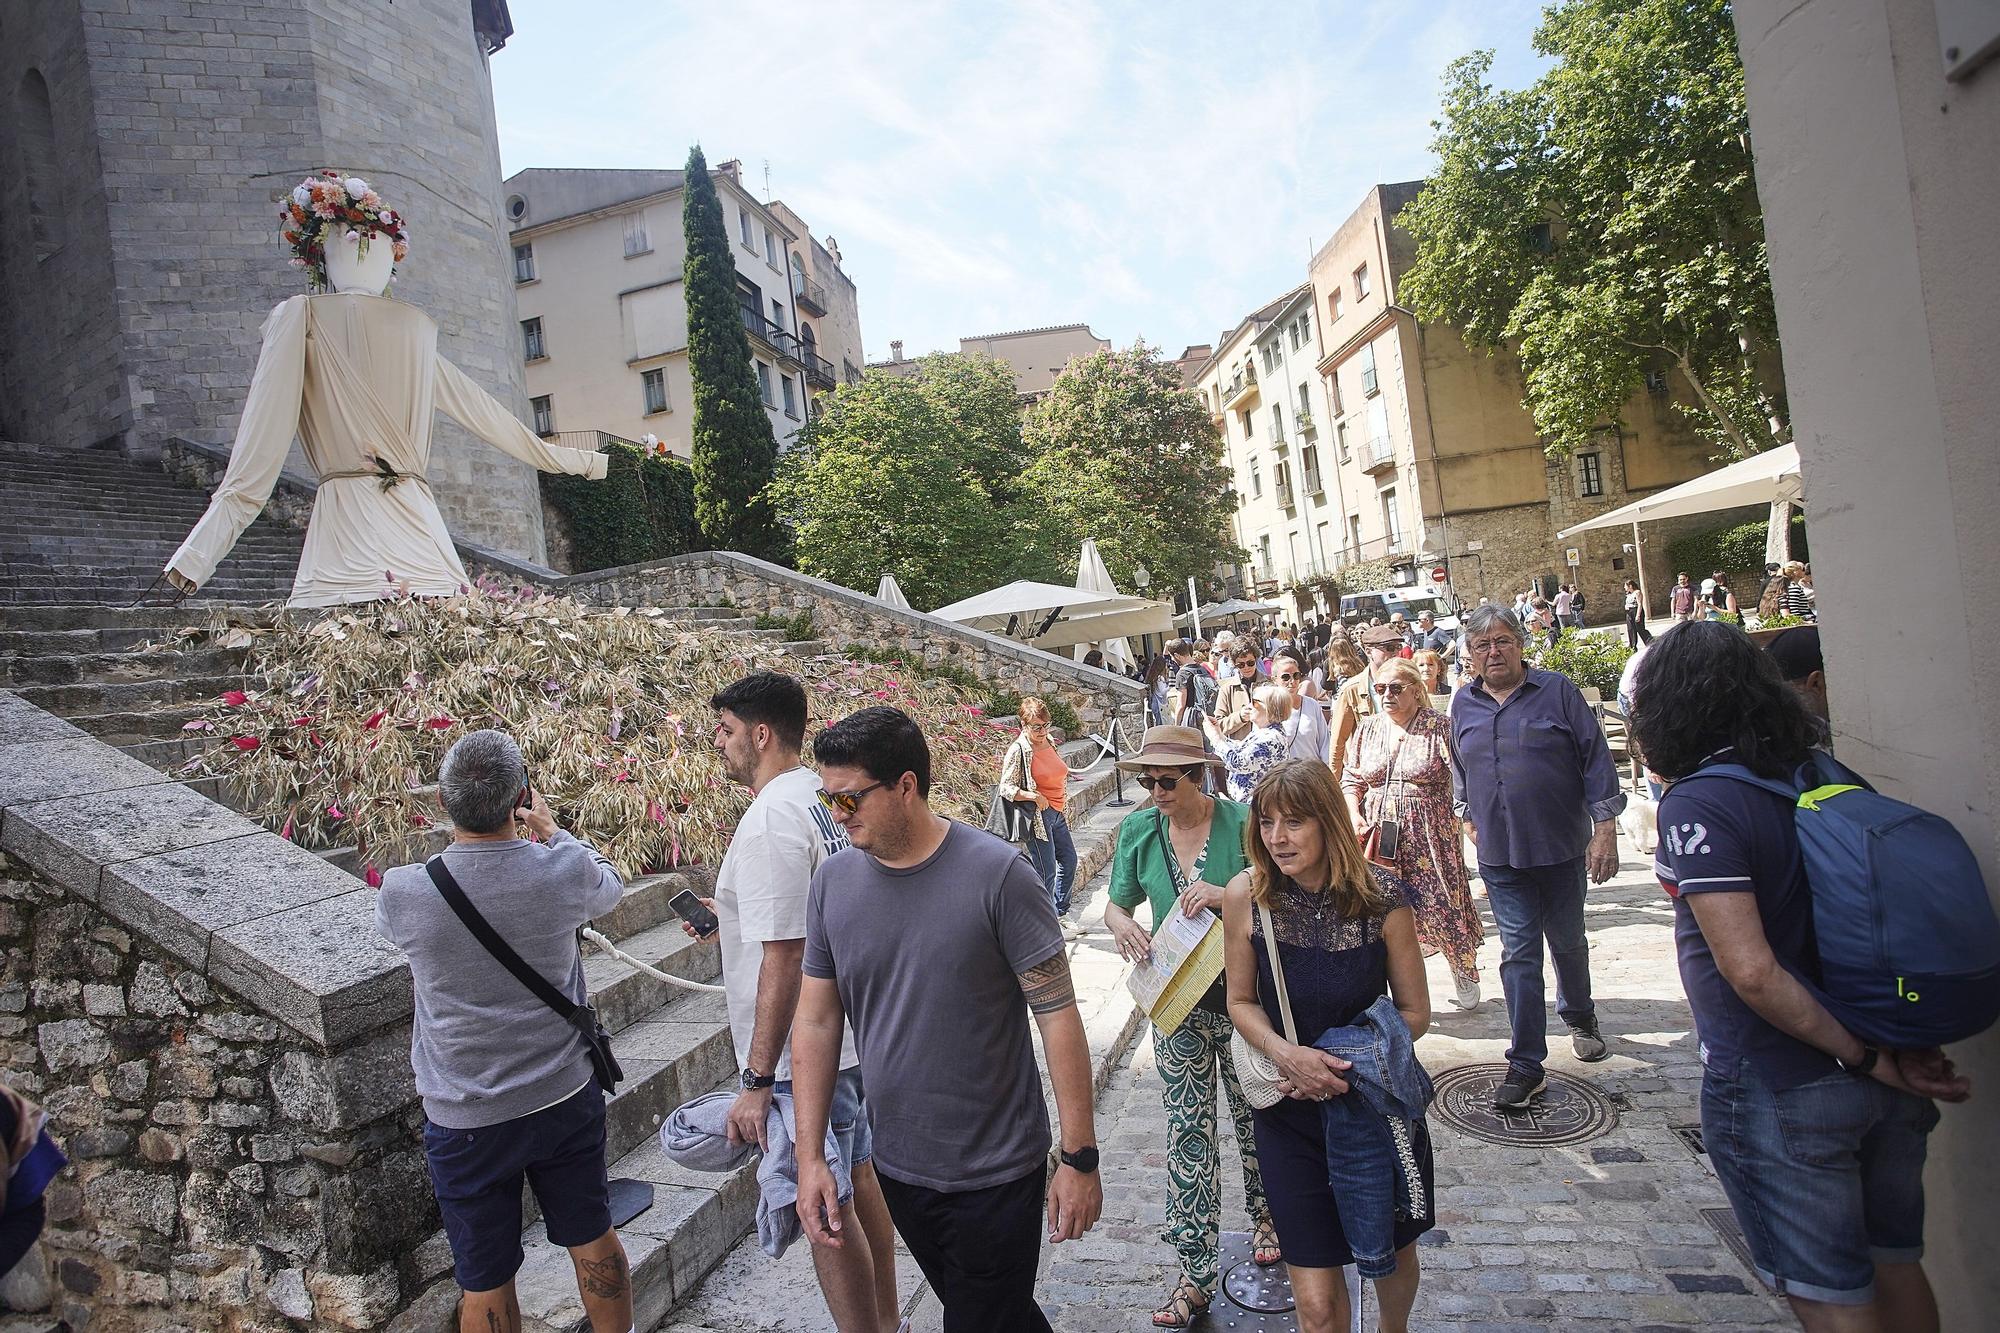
{"x":1141,"y":579}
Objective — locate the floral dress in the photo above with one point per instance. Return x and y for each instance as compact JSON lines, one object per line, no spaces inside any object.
{"x":1430,"y":857}
{"x":1249,"y":759}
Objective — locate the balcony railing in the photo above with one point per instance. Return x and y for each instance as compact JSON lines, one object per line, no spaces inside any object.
{"x":1305,"y":424}
{"x":1283,"y":490}
{"x":811,"y":297}
{"x":590,"y":441}
{"x":819,"y":371}
{"x":1276,"y":434}
{"x":783,"y":343}
{"x":1378,"y":453}
{"x":1242,"y":389}
{"x":1314,"y":484}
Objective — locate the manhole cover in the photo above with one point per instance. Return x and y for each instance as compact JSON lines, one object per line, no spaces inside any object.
{"x":1723,"y":1222}
{"x":1568,"y":1111}
{"x":1259,"y":1290}
{"x":1690,"y":1135}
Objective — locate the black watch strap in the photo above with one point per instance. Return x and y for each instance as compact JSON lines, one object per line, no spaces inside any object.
{"x":1865,"y":1065}
{"x":1083,"y":1159}
{"x":753,"y":1080}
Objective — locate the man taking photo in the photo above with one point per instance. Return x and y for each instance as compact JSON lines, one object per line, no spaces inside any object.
{"x":507,"y":1084}
{"x":760,"y":901}
{"x":937,"y":940}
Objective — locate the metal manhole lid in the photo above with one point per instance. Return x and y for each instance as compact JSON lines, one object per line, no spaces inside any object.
{"x":1568,"y":1111}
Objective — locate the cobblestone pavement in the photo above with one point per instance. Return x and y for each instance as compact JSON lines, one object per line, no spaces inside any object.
{"x":1606,"y":1233}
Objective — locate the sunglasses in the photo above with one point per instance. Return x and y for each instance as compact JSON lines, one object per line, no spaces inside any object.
{"x":1148,"y":781}
{"x":846,"y":802}
{"x":1391,"y":689}
{"x":1288,"y":675}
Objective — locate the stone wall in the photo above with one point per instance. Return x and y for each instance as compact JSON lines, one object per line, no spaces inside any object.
{"x":842,"y":616}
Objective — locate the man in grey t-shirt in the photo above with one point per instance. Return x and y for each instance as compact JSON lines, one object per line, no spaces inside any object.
{"x":936,"y":940}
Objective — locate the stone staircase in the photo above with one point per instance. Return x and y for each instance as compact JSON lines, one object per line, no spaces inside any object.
{"x":69,"y":643}
{"x":90,"y":526}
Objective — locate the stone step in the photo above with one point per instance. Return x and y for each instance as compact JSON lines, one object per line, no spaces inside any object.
{"x":624,"y":996}
{"x":69,"y":668}
{"x":26,"y":643}
{"x":133,"y":726}
{"x":645,"y":904}
{"x":117,"y":594}
{"x":127,"y":696}
{"x":163,"y":621}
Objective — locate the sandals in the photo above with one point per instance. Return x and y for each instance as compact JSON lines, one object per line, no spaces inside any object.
{"x":1181,"y":1307}
{"x":1264,"y":1249}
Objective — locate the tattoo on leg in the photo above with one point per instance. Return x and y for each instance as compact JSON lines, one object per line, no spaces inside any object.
{"x":605,"y":1278}
{"x":498,"y":1322}
{"x":1048,"y":986}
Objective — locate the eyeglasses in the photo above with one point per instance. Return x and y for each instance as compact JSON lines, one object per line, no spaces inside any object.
{"x":846,"y":802}
{"x":1148,"y":781}
{"x":1288,"y":675}
{"x":1481,"y":647}
{"x":1037,"y":726}
{"x":1391,"y":689}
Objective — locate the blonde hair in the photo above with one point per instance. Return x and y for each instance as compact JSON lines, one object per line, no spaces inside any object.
{"x":1424,"y":660}
{"x":1032,"y":709}
{"x":1405,"y":670}
{"x":1346,"y":658}
{"x":1276,"y":701}
{"x":1793,"y":568}
{"x":1306,"y":789}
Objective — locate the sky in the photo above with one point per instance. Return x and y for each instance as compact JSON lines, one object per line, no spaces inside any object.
{"x":1155,"y":170}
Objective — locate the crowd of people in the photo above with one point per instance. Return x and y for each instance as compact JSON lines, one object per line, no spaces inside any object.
{"x":884,"y":966}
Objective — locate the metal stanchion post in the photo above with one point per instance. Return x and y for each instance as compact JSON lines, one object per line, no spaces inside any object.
{"x":1117,"y":773}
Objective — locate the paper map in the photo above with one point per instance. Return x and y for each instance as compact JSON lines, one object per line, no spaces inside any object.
{"x":1186,"y":960}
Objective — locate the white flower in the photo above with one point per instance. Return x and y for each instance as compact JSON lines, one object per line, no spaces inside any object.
{"x":301,"y":195}
{"x":356,"y":187}
{"x":353,"y":235}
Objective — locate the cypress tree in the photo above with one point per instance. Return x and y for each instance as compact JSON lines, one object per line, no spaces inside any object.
{"x":734,"y":449}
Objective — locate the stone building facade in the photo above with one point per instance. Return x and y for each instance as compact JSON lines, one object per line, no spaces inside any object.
{"x":143,"y":148}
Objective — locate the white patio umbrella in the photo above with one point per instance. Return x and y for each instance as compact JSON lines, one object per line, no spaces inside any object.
{"x":888,"y":590}
{"x":1093,"y":576}
{"x":1050,"y":616}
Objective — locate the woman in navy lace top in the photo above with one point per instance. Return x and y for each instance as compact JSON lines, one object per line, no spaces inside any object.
{"x":1345,"y":938}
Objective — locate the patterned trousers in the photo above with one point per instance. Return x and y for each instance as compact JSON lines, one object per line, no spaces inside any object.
{"x":1188,"y":1059}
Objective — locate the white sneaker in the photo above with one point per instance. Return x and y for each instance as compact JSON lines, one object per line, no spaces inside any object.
{"x":1070,"y":929}
{"x":1466,"y":994}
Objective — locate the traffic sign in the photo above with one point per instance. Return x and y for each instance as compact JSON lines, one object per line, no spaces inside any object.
{"x":1439,"y":575}
{"x":1575,"y":557}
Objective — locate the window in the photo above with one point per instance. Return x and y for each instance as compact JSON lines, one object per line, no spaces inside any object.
{"x":1367,"y":358}
{"x":545,"y":414}
{"x":751,"y":297}
{"x":1305,"y":326}
{"x":636,"y":242}
{"x":743,"y":224}
{"x":1277,"y":423}
{"x":1281,"y":482}
{"x":524,"y":263}
{"x":1309,"y":465}
{"x":1264,"y":553}
{"x":1270,"y":357}
{"x":1540,"y":239}
{"x":655,"y":384}
{"x":778,"y":313}
{"x":1589,"y":474}
{"x":1292,"y":331}
{"x":1341,"y":452}
{"x":1333,"y":304}
{"x":1354,"y":533}
{"x":770,"y":248}
{"x":1305,"y":403}
{"x":1333,"y":392}
{"x":1361,"y":282}
{"x":1256,"y":480}
{"x":35,"y":115}
{"x":791,"y":397}
{"x":1248,"y":429}
{"x":1379,"y":446}
{"x":532,"y":347}
{"x":764,"y":382}
{"x":1392,"y":519}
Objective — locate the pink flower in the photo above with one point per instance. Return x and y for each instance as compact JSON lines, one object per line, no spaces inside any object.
{"x":375,"y":719}
{"x":245,"y":743}
{"x":441,"y":723}
{"x":373,"y":876}
{"x":235,"y":698}
{"x":335,"y":812}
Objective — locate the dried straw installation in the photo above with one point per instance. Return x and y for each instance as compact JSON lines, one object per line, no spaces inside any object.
{"x":352,"y":712}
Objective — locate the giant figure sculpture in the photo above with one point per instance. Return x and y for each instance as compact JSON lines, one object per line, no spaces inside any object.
{"x":356,"y":376}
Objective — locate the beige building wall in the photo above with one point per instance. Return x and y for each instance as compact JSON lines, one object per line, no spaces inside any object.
{"x":1880,"y":179}
{"x":829,"y":305}
{"x":1036,"y":356}
{"x":605,"y":265}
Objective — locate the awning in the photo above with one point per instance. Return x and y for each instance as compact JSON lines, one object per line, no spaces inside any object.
{"x":1049,"y":616}
{"x":890,"y":591}
{"x":1229,"y":610}
{"x":1762,"y":479}
{"x":1093,"y":576}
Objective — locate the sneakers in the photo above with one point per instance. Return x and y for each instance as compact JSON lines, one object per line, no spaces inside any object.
{"x":1588,"y":1042}
{"x":1466,"y":992}
{"x":1517,"y":1091}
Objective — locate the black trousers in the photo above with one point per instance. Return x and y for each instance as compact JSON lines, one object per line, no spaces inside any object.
{"x":978,"y":1250}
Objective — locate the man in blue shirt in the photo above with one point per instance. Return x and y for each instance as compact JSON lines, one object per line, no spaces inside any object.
{"x":1534,"y":782}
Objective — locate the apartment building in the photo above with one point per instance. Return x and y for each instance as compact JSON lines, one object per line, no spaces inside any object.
{"x":597,"y":276}
{"x":1036,"y":356}
{"x":1434,"y":464}
{"x":828,"y":306}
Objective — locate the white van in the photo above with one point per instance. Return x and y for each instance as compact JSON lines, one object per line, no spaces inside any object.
{"x":1357,"y":608}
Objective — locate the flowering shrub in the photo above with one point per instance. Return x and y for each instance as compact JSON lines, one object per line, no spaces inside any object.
{"x":340,"y":738}
{"x":333,"y":202}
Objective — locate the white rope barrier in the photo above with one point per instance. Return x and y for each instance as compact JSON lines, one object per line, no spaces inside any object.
{"x":651,"y":971}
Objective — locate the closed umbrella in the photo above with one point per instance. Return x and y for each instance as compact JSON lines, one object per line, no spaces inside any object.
{"x":1093,"y":576}
{"x":888,"y":590}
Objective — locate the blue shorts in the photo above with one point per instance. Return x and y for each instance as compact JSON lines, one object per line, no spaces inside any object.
{"x":848,"y":1118}
{"x":477,"y":1175}
{"x":1826,"y":1179}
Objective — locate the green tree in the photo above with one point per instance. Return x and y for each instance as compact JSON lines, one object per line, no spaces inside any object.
{"x":1604,"y":221}
{"x":1125,"y":453}
{"x":734,"y":451}
{"x":899,"y":475}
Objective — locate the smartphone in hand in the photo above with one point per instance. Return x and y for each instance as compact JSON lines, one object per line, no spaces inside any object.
{"x":689,"y":909}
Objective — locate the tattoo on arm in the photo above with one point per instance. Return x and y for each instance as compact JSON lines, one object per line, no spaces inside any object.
{"x":604,"y":1278}
{"x":1048,"y":986}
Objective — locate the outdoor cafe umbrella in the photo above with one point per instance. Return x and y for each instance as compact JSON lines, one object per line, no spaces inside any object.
{"x":1229,"y":610}
{"x":1093,"y":576}
{"x":888,"y":590}
{"x":1050,"y":616}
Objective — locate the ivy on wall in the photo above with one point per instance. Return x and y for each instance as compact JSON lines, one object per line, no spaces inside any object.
{"x":1366,"y":576}
{"x":1733,"y":549}
{"x":642,"y":510}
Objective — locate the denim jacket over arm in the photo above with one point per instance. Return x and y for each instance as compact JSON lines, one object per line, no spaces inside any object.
{"x":1371,"y":1133}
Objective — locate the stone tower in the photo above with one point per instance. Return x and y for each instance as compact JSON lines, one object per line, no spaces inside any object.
{"x":143,"y":147}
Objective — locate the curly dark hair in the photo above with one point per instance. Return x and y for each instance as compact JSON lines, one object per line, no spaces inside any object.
{"x":1704,"y":687}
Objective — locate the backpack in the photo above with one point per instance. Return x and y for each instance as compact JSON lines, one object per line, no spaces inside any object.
{"x":1909,"y":945}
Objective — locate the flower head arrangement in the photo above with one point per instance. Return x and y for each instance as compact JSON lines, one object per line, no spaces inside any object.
{"x":330,"y":204}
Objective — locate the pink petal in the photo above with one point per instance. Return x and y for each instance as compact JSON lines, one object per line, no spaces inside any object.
{"x":373,"y":876}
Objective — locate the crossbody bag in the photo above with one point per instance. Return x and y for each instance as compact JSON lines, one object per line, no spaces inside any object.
{"x":1256,"y":1072}
{"x":603,"y":1064}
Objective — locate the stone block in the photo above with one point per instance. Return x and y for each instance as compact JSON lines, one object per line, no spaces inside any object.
{"x":22,"y":723}
{"x":287,"y":1294}
{"x":320,"y":969}
{"x":73,"y":838}
{"x":354,"y":1300}
{"x":181,"y":896}
{"x":72,"y":1043}
{"x":137,"y":1199}
{"x":74,"y":766}
{"x":363,"y":1082}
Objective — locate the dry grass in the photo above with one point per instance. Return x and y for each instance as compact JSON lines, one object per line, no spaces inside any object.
{"x":353,"y":710}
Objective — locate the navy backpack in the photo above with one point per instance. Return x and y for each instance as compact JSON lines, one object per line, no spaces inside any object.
{"x":1909,"y":945}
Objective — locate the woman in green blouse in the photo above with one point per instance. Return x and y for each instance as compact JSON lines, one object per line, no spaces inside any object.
{"x":1176,"y":855}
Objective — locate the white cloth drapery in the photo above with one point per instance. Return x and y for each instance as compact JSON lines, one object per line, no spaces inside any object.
{"x":357,"y":378}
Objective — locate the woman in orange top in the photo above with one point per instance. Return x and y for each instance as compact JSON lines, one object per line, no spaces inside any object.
{"x":1034,"y":770}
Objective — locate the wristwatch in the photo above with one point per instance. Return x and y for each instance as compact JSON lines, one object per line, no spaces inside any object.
{"x":753,"y":1080}
{"x":1083,"y":1159}
{"x":1863,"y":1066}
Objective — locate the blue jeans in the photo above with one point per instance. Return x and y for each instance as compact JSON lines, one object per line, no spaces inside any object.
{"x":1531,"y":904}
{"x":1826,"y":1179}
{"x":847,"y":1117}
{"x":1054,"y":858}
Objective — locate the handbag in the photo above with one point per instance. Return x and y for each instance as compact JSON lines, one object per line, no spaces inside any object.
{"x":1256,"y":1072}
{"x":1384,"y":837}
{"x":604,"y":1065}
{"x":1009,"y":819}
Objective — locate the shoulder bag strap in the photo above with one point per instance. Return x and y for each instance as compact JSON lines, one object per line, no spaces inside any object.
{"x":502,"y":952}
{"x":1278,"y":975}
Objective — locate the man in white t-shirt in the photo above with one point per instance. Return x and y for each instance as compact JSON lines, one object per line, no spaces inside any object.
{"x":760,"y":900}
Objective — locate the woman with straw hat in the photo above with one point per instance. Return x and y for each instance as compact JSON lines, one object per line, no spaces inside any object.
{"x":1176,"y":855}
